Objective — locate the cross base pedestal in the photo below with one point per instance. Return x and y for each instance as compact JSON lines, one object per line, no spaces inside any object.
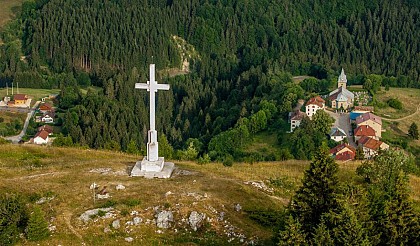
{"x":153,"y":169}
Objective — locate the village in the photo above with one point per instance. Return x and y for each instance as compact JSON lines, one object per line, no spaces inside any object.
{"x":356,"y":127}
{"x":42,"y":113}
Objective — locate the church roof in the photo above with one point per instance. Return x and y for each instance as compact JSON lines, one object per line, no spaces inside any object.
{"x":341,"y":98}
{"x":334,"y":94}
{"x":342,"y":78}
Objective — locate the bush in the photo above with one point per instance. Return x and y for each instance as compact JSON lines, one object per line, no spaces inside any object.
{"x":132,"y":202}
{"x":395,"y":103}
{"x":37,"y":226}
{"x":228,"y":162}
{"x":13,"y":218}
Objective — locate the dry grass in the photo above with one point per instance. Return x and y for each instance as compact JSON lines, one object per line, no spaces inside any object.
{"x":65,"y":173}
{"x":410,"y":99}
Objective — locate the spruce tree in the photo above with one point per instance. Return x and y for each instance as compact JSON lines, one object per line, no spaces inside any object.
{"x":318,"y":193}
{"x":292,"y":234}
{"x":37,"y":228}
{"x":400,"y":224}
{"x":413,"y":131}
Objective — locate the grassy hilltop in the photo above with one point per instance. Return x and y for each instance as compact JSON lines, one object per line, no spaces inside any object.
{"x":65,"y":174}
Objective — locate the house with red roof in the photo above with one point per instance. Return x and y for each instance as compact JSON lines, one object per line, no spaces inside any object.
{"x":364,"y":130}
{"x":371,"y":120}
{"x":371,"y":147}
{"x":314,"y":104}
{"x":343,"y":152}
{"x":45,"y":107}
{"x":46,"y":128}
{"x":41,"y":137}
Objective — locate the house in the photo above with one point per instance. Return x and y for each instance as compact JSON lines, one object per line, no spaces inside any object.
{"x":341,"y":98}
{"x":343,"y":152}
{"x":337,"y":134}
{"x":20,"y":99}
{"x":371,"y":146}
{"x":48,"y":117}
{"x":45,"y":107}
{"x":295,"y":118}
{"x":46,"y":128}
{"x":364,"y":130}
{"x":363,"y":109}
{"x":371,"y":120}
{"x":314,"y":104}
{"x":41,"y":137}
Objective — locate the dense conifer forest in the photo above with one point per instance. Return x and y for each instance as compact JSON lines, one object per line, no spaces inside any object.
{"x":240,"y":81}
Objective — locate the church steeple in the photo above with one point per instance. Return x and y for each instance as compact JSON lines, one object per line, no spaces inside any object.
{"x":342,"y":79}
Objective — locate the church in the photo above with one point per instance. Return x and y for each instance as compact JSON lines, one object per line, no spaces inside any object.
{"x":341,"y":98}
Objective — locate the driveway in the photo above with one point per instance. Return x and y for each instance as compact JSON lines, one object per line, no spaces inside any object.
{"x":17,"y":138}
{"x":342,"y":120}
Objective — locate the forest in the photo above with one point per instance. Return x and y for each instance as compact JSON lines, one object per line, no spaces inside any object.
{"x":240,"y":82}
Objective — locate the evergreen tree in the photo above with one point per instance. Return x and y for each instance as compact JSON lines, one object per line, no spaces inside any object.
{"x":13,"y":218}
{"x":400,"y":224}
{"x":318,"y":193}
{"x":293,"y":234}
{"x":413,"y":131}
{"x":37,"y":225}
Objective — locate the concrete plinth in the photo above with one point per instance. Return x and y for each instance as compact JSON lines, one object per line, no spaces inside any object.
{"x":153,"y":169}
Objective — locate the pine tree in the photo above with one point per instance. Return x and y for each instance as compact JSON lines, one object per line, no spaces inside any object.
{"x":293,"y":233}
{"x":37,"y":228}
{"x":318,"y":193}
{"x":400,"y":225}
{"x":413,"y":131}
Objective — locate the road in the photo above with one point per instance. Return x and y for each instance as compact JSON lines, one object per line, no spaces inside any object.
{"x":342,"y":120}
{"x":405,"y":117}
{"x":17,"y":138}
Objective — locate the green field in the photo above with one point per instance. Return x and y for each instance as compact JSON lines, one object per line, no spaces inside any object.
{"x":8,"y":10}
{"x":35,"y":94}
{"x":9,"y":122}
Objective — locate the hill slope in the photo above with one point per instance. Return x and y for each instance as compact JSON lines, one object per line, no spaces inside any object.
{"x":66,"y":175}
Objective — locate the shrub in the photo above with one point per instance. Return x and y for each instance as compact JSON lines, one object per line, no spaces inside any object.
{"x":37,"y":226}
{"x":395,"y":103}
{"x":13,"y":218}
{"x":131,"y":202}
{"x":228,"y":161}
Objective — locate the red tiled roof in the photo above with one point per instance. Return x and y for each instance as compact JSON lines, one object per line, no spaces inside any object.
{"x":363,"y":108}
{"x":20,"y":97}
{"x":368,"y":116}
{"x":42,"y":134}
{"x":45,"y":106}
{"x":345,"y":156}
{"x":364,"y":130}
{"x":46,"y":128}
{"x":316,"y":100}
{"x":340,"y":147}
{"x":298,"y":115}
{"x":370,"y":143}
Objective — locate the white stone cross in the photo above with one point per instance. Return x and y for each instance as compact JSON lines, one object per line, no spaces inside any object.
{"x":152,"y":86}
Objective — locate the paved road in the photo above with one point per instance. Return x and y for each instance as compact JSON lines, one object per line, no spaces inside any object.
{"x":17,"y":138}
{"x":342,"y":120}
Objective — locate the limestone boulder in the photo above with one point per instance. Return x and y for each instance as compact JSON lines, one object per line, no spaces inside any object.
{"x":164,"y":219}
{"x":196,"y":220}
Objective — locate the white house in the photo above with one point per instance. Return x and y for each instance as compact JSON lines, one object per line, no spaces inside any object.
{"x":314,"y":104}
{"x":41,"y":137}
{"x":295,"y":118}
{"x":337,"y":134}
{"x":47,"y":119}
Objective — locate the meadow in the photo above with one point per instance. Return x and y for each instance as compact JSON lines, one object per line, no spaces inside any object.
{"x":67,"y":173}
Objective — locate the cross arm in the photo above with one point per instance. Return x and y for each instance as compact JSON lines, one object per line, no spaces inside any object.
{"x":162,"y":87}
{"x":142,"y":86}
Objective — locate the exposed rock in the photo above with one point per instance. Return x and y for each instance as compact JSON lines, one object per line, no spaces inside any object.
{"x":164,"y":219}
{"x":196,"y":220}
{"x":260,"y":185}
{"x":168,"y":193}
{"x":134,"y":212}
{"x":107,"y":229}
{"x":116,"y":224}
{"x":52,"y":228}
{"x":128,"y":239}
{"x":44,"y":199}
{"x":100,"y":197}
{"x":221,"y":216}
{"x":120,"y":187}
{"x":129,"y":223}
{"x":137,"y":220}
{"x":85,"y":217}
{"x":238,"y":207}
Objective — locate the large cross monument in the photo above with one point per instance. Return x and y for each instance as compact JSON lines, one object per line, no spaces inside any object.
{"x":152,"y":165}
